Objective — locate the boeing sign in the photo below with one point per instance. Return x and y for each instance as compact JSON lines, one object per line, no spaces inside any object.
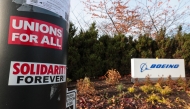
{"x":164,"y":66}
{"x":144,"y":66}
{"x":156,"y":68}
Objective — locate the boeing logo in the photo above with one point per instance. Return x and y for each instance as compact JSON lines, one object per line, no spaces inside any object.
{"x":144,"y":66}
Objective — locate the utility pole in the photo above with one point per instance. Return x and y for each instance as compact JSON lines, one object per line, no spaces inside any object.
{"x":33,"y":53}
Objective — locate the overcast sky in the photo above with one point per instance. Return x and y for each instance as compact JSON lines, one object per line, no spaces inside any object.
{"x":77,"y":14}
{"x":81,"y":19}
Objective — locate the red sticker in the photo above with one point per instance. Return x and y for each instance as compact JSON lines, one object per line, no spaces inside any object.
{"x":33,"y":32}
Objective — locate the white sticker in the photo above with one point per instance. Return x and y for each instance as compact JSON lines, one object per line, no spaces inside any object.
{"x":61,"y":7}
{"x":29,"y":73}
{"x":71,"y":99}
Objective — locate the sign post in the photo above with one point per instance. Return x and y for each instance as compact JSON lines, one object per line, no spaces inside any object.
{"x":33,"y":53}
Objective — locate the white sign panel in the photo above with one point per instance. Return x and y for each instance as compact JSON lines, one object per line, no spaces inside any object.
{"x":29,"y":73}
{"x":61,"y":7}
{"x":71,"y":99}
{"x":141,"y":67}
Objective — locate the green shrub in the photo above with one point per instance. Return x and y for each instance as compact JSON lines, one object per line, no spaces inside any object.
{"x":167,"y":90}
{"x":147,"y":88}
{"x":120,"y":87}
{"x":153,"y":98}
{"x":131,"y":89}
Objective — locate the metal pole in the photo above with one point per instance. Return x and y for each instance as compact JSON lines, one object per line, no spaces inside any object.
{"x":33,"y":54}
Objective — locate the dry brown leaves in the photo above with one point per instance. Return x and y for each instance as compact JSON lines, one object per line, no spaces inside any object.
{"x":85,"y":86}
{"x":106,"y":97}
{"x":112,"y":76}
